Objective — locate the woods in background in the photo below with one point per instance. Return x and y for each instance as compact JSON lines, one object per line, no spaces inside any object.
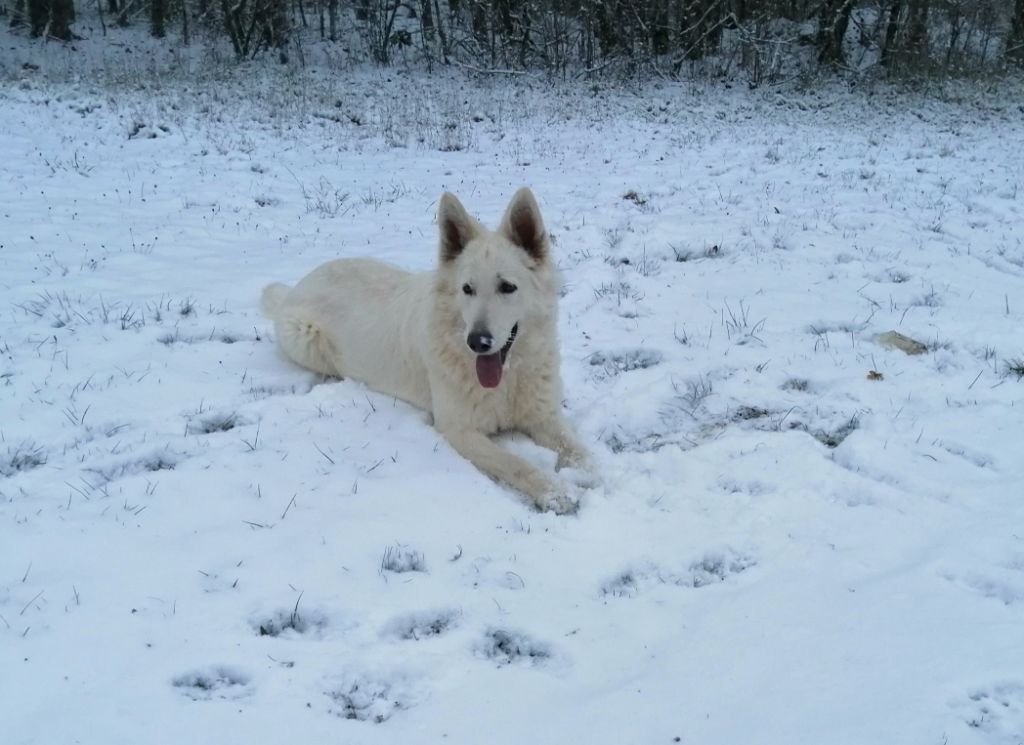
{"x":762,"y":38}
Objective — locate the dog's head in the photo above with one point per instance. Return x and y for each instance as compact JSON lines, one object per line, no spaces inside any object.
{"x":498,"y":278}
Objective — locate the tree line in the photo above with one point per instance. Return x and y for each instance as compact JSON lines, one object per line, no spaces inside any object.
{"x":761,"y":38}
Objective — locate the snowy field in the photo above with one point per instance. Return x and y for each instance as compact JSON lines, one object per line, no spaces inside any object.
{"x":802,"y":535}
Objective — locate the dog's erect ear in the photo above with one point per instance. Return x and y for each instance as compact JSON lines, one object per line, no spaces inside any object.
{"x":523,"y":225}
{"x":456,"y":225}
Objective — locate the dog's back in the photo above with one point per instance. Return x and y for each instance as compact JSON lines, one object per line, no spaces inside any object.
{"x":356,"y":318}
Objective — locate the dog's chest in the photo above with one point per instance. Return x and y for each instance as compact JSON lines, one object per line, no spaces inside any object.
{"x":493,"y":410}
{"x":511,"y":404}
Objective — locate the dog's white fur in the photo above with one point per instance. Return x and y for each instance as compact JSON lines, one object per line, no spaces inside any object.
{"x":406,"y":335}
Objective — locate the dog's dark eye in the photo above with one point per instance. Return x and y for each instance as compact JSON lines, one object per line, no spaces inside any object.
{"x":468,"y":290}
{"x":507,"y":288}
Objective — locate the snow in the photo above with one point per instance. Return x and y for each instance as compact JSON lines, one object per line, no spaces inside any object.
{"x":801,"y":535}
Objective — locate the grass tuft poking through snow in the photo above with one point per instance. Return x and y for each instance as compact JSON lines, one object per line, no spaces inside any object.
{"x":400,"y":559}
{"x":22,"y":457}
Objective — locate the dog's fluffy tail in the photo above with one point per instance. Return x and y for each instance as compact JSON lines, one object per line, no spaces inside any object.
{"x":273,"y":295}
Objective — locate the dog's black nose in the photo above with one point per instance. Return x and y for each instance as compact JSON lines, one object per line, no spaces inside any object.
{"x":480,"y":341}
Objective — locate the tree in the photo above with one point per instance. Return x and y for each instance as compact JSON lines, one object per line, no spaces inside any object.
{"x":51,"y":18}
{"x":256,"y":25}
{"x":907,"y":40}
{"x":756,"y":38}
{"x":124,"y":11}
{"x":892,"y":29}
{"x":1015,"y":40}
{"x":917,"y":33}
{"x":332,"y":15}
{"x":702,"y":23}
{"x":158,"y":18}
{"x":378,"y":27}
{"x":18,"y":14}
{"x":833,"y":20}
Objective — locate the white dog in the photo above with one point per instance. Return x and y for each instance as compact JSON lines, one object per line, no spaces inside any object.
{"x":474,"y":342}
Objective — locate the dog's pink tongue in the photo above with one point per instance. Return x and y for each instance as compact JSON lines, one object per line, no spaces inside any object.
{"x":488,"y":369}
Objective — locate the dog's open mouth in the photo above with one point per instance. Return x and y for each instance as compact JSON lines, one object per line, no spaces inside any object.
{"x":490,"y":366}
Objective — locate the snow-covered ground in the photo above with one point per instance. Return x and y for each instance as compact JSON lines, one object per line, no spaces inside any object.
{"x":802,"y":536}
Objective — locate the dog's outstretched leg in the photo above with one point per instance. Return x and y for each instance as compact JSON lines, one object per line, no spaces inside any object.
{"x":478,"y":449}
{"x":574,"y":461}
{"x":554,"y":433}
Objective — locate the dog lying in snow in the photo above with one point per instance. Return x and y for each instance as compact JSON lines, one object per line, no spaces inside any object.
{"x":474,"y":342}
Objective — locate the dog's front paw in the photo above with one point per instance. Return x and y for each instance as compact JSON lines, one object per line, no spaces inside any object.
{"x":548,"y":494}
{"x":560,"y":503}
{"x":544,"y":492}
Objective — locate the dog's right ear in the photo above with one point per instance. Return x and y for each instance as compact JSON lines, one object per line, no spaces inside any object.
{"x":456,"y":226}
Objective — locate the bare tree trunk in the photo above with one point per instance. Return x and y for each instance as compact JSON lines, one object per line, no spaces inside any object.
{"x":62,"y":15}
{"x":833,"y":20}
{"x":478,"y":21}
{"x":917,"y":32}
{"x":426,"y":16}
{"x":278,"y":28}
{"x":332,"y":19}
{"x":892,"y":29}
{"x":702,"y":27}
{"x":440,"y":31}
{"x":956,"y":25}
{"x":38,"y":16}
{"x":122,"y":16}
{"x":1015,"y":41}
{"x":158,"y":18}
{"x":659,"y":27}
{"x":233,"y":25}
{"x":607,"y":29}
{"x":52,"y":18}
{"x":18,"y":14}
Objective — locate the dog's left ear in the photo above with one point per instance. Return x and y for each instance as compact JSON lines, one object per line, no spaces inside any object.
{"x":523,"y":225}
